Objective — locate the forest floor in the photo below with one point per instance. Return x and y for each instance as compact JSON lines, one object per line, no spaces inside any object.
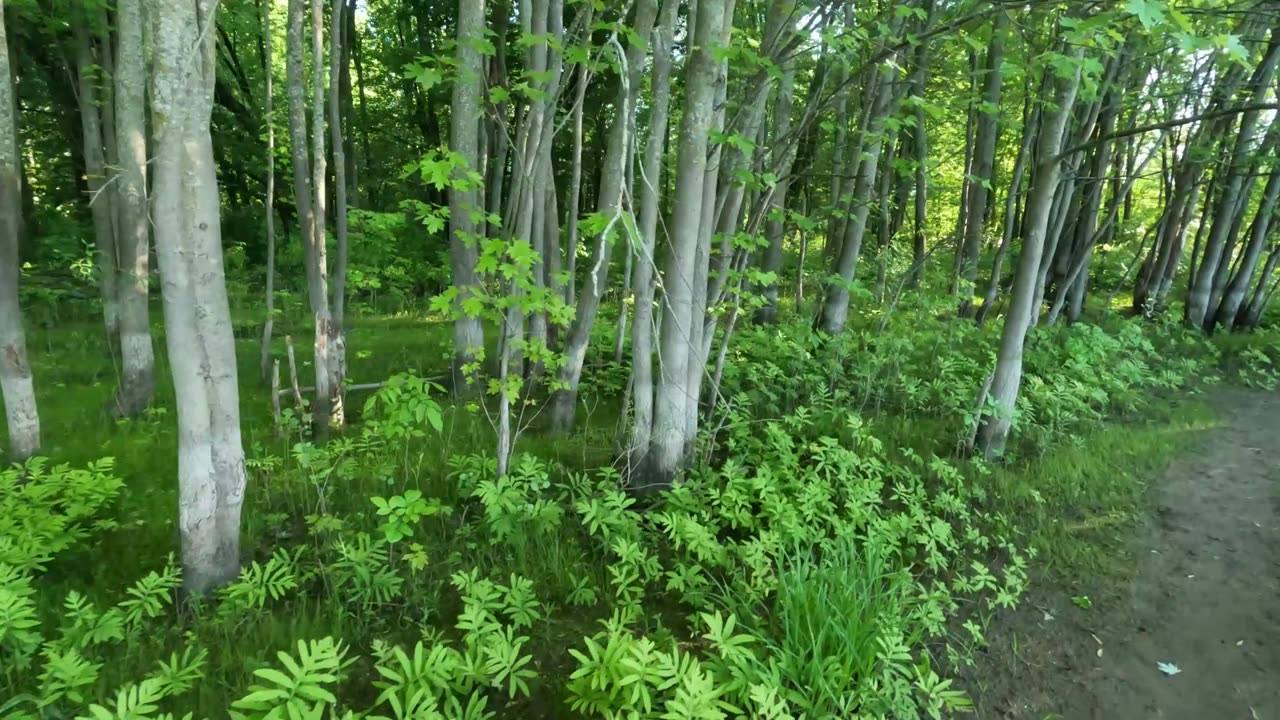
{"x":1202,"y":593}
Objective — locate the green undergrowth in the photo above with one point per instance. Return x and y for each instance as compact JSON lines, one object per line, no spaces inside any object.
{"x":833,"y":553}
{"x":1078,"y":504}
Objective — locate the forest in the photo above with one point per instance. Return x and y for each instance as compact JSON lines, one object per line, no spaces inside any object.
{"x":670,"y":359}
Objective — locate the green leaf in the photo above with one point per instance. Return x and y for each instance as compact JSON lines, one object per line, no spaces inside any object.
{"x":1149,"y":12}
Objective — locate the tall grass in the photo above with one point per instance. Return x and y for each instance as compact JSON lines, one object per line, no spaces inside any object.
{"x":826,"y":622}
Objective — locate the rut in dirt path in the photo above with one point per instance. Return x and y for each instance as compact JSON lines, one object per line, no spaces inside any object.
{"x":1205,"y":597}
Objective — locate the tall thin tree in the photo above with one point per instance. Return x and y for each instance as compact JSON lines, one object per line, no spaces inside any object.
{"x":464,"y":197}
{"x":1006,"y":378}
{"x":137,"y":358}
{"x":269,"y":202}
{"x":202,"y":357}
{"x":668,"y":435}
{"x":16,"y":387}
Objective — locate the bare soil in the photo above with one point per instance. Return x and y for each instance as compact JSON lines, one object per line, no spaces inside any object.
{"x":1204,"y":596}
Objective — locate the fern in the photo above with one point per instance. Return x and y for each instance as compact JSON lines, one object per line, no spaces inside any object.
{"x":19,"y":638}
{"x":65,"y":674}
{"x":363,"y":567}
{"x":302,"y":690}
{"x":259,"y":583}
{"x":181,"y":673}
{"x":149,"y":597}
{"x":84,"y":626}
{"x":412,"y":684}
{"x":133,"y":702}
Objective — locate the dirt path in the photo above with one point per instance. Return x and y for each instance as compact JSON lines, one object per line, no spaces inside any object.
{"x":1205,"y":597}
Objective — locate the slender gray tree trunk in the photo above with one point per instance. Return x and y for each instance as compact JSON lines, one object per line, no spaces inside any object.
{"x":1030,"y":122}
{"x":971,"y":121}
{"x":16,"y":388}
{"x":982,"y":175}
{"x":575,"y":183}
{"x":670,"y":420}
{"x":920,"y":146}
{"x":1234,"y":297}
{"x":835,"y":308}
{"x":327,"y":407}
{"x":544,"y":242}
{"x":1198,"y":300}
{"x":840,"y":164}
{"x":269,"y":203}
{"x":185,"y":210}
{"x":776,"y":221}
{"x":101,"y":204}
{"x":609,"y":206}
{"x":1072,"y":284}
{"x":137,"y":381}
{"x":804,"y":252}
{"x":574,"y":200}
{"x":497,"y":165}
{"x":643,"y":269}
{"x":338,"y":330}
{"x":464,"y":197}
{"x":994,"y":426}
{"x":1251,"y":314}
{"x":700,"y":330}
{"x":1075,"y":255}
{"x":620,"y":335}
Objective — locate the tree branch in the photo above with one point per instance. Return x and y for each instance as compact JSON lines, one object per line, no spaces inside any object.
{"x":1166,"y":125}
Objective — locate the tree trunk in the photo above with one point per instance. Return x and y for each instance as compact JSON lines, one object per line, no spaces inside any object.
{"x":211,"y":468}
{"x":101,"y":204}
{"x":620,"y":335}
{"x":1251,"y":314}
{"x":347,"y":15}
{"x":1073,"y":284}
{"x":776,"y":221}
{"x":575,"y":178}
{"x":1233,"y":299}
{"x":1030,"y":121}
{"x":651,"y":184}
{"x":309,"y":220}
{"x":804,"y":253}
{"x":497,"y":166}
{"x":16,"y":387}
{"x":982,"y":173}
{"x":993,"y":431}
{"x":544,"y":181}
{"x":269,"y":203}
{"x":357,"y":62}
{"x":971,"y":120}
{"x":137,"y":382}
{"x":836,"y":306}
{"x":920,"y":146}
{"x":667,"y":450}
{"x":326,"y":409}
{"x":700,"y":330}
{"x":840,"y":164}
{"x":1077,"y":254}
{"x":609,"y":207}
{"x":338,"y":334}
{"x":1199,"y":296}
{"x":464,"y":197}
